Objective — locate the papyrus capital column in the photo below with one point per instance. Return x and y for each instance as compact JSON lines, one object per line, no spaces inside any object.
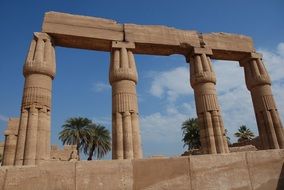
{"x":259,"y":84}
{"x":39,"y":71}
{"x":203,"y":80}
{"x":126,"y":140}
{"x":11,"y":134}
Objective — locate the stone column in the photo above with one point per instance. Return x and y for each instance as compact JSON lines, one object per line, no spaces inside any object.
{"x":11,"y":134}
{"x":203,"y":80}
{"x":34,"y":127}
{"x":126,"y":142}
{"x":259,"y":84}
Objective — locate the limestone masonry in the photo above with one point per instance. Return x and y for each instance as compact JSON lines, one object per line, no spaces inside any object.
{"x":27,"y":139}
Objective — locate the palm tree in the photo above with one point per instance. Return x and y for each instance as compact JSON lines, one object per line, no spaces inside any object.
{"x":98,"y":143}
{"x":244,"y":134}
{"x":75,"y":132}
{"x":190,"y":132}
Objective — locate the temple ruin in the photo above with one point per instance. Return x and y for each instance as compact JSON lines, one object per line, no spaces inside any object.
{"x":31,"y":145}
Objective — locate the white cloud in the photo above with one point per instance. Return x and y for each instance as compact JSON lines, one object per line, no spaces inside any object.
{"x":234,"y":98}
{"x":3,"y":118}
{"x":106,"y":121}
{"x":274,"y":61}
{"x":171,"y":84}
{"x":100,"y":87}
{"x":158,"y":128}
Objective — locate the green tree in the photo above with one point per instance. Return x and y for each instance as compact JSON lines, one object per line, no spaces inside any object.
{"x":190,"y":133}
{"x":98,"y":143}
{"x":244,"y":134}
{"x":76,"y":131}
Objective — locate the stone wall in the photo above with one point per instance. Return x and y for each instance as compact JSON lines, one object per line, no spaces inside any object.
{"x":244,"y":170}
{"x":64,"y":154}
{"x":255,"y":142}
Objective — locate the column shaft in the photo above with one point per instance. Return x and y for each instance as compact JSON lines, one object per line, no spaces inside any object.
{"x":259,"y":84}
{"x":9,"y":150}
{"x":31,"y":140}
{"x":217,"y":131}
{"x":39,"y":70}
{"x":202,"y":79}
{"x":114,"y":137}
{"x":119,"y":137}
{"x":123,"y":79}
{"x":203,"y":134}
{"x":47,"y":124}
{"x":20,"y":148}
{"x":127,"y":136}
{"x":136,"y":136}
{"x":41,"y":137}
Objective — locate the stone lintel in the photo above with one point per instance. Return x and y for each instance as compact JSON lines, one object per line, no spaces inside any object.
{"x":82,"y":32}
{"x":93,"y":33}
{"x":118,"y":45}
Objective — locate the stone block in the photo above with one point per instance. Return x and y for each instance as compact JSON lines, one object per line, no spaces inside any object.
{"x":93,"y":33}
{"x":159,"y":40}
{"x":48,"y":176}
{"x":228,"y":46}
{"x":2,"y":176}
{"x":116,"y":174}
{"x":222,"y":171}
{"x":81,"y":31}
{"x":161,"y":173}
{"x":266,"y":169}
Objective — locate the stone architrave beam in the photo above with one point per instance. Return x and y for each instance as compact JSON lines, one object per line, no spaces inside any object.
{"x":82,"y":32}
{"x":93,"y":33}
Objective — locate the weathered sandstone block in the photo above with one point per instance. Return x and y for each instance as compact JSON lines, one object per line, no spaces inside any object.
{"x":101,"y":175}
{"x":82,"y":31}
{"x":48,"y":176}
{"x":219,"y":171}
{"x":161,"y":173}
{"x":266,"y":169}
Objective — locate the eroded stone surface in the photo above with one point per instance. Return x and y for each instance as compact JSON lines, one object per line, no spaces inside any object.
{"x":227,"y":171}
{"x":266,"y":169}
{"x":97,"y":34}
{"x":251,"y":170}
{"x":11,"y":134}
{"x":161,"y":173}
{"x":48,"y":176}
{"x":104,"y":175}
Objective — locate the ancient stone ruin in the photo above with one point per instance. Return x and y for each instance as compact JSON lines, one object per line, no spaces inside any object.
{"x":30,"y":144}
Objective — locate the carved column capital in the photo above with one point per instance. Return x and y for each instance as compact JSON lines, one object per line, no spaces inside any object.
{"x":201,"y":70}
{"x":41,"y":56}
{"x":255,"y":71}
{"x":122,"y":65}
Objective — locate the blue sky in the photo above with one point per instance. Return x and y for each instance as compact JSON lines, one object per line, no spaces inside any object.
{"x":165,"y":96}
